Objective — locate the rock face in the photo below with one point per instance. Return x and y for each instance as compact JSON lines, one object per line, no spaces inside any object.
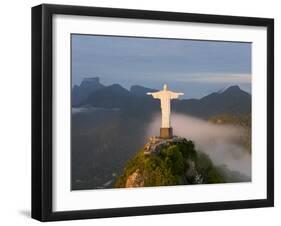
{"x":166,"y":162}
{"x":135,"y":180}
{"x":87,"y":86}
{"x":156,"y":144}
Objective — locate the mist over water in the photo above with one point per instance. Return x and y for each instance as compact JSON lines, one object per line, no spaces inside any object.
{"x":220,"y":142}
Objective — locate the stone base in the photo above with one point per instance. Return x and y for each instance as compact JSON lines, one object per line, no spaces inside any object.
{"x":166,"y":133}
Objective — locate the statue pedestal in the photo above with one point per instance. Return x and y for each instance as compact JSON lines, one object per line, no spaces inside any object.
{"x":166,"y":133}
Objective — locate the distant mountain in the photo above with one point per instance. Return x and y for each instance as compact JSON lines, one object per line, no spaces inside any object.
{"x":141,"y":90}
{"x":114,"y":96}
{"x":233,"y":100}
{"x":87,"y":86}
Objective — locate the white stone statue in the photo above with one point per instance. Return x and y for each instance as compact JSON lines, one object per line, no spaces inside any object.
{"x":165,"y":97}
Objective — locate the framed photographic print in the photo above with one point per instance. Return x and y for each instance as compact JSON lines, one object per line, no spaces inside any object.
{"x":145,"y":112}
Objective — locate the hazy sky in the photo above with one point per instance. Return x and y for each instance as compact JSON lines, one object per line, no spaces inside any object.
{"x":193,"y":67}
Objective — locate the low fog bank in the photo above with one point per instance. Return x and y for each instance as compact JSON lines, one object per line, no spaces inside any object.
{"x":220,"y":142}
{"x":89,"y":109}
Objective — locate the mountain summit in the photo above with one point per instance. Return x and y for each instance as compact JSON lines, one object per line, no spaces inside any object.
{"x":87,"y":86}
{"x":168,"y":162}
{"x":141,"y":90}
{"x":231,"y":100}
{"x":91,"y":92}
{"x":113,"y":96}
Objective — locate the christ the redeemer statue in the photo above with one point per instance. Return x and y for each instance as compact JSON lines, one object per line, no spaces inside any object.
{"x":165,"y":97}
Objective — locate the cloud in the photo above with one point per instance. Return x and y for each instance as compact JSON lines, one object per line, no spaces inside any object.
{"x":219,"y":78}
{"x":204,"y":77}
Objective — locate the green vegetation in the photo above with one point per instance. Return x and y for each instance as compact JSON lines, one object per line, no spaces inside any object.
{"x":207,"y":170}
{"x":177,"y":164}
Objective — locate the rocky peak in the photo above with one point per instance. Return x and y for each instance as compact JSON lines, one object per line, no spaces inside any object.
{"x":156,"y":144}
{"x":166,"y":162}
{"x":91,"y":82}
{"x":135,"y":180}
{"x":141,"y":90}
{"x":87,"y":86}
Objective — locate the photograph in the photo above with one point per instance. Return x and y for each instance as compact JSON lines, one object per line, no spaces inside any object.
{"x":150,"y":112}
{"x":141,"y":112}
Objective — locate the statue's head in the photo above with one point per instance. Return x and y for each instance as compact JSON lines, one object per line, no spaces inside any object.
{"x":165,"y":87}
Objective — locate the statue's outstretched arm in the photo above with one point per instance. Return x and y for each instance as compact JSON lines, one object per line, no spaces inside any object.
{"x":176,"y":95}
{"x":155,"y":95}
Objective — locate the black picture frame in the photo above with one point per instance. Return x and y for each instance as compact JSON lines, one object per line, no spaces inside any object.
{"x":42,"y":111}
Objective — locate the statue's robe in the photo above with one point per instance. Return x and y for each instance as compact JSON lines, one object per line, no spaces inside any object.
{"x":165,"y":97}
